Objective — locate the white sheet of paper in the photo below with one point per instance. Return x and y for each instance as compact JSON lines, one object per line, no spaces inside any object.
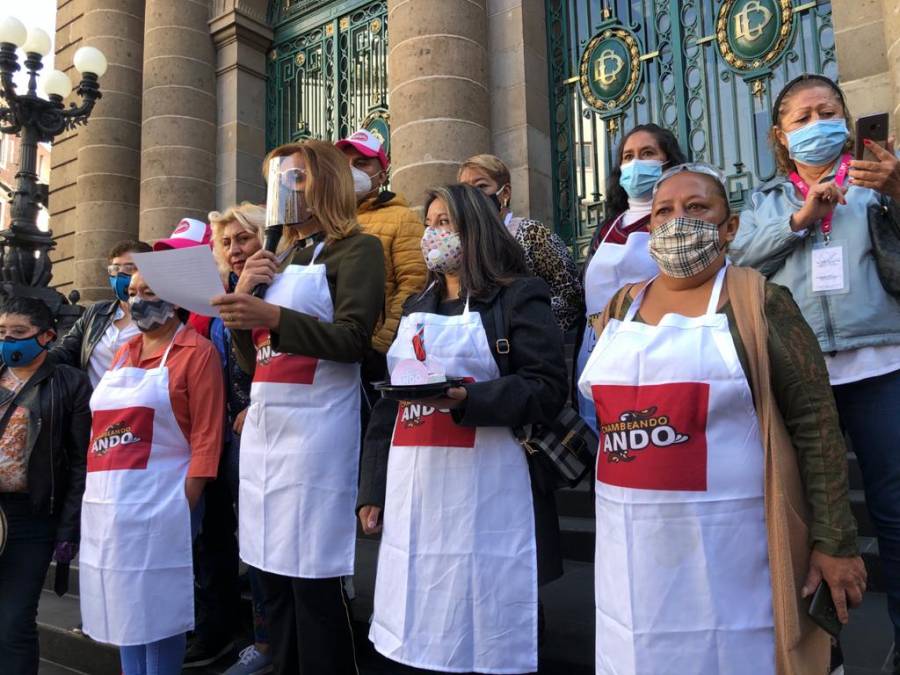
{"x":827,"y":268}
{"x":187,"y":277}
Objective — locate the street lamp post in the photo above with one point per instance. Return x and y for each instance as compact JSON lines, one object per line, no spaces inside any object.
{"x":25,"y":266}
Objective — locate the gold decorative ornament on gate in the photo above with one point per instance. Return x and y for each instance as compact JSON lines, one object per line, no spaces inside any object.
{"x":753,"y":34}
{"x":610,"y":69}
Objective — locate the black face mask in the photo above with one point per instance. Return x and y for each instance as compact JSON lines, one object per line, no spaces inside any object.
{"x":496,"y":201}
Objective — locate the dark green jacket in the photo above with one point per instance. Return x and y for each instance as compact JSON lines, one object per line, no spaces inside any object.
{"x":354,"y":270}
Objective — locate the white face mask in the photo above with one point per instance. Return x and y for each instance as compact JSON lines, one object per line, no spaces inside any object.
{"x":362,"y":182}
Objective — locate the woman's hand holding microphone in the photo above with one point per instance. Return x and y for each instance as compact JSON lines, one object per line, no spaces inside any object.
{"x":241,"y":310}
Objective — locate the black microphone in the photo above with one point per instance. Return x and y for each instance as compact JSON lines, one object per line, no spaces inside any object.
{"x":272,"y":237}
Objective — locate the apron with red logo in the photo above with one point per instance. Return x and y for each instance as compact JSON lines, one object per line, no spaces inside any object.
{"x":456,"y":588}
{"x":681,"y":569}
{"x":612,"y":267}
{"x":300,"y":447}
{"x":136,"y":572}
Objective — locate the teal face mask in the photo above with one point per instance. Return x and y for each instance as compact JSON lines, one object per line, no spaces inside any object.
{"x":639,"y":176}
{"x":818,"y":143}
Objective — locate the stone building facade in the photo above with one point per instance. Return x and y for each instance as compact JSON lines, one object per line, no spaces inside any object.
{"x":182,"y":125}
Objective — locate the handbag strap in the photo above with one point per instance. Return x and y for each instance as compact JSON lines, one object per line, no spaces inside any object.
{"x":500,"y":347}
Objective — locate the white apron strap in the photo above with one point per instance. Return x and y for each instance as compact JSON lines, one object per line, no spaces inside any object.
{"x":316,"y":252}
{"x":636,"y":303}
{"x":612,"y":227}
{"x":710,"y":308}
{"x":162,"y":364}
{"x":717,"y":290}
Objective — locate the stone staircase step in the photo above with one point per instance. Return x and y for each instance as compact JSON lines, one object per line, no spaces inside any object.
{"x":59,"y":644}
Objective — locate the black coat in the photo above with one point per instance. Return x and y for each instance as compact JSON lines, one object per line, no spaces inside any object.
{"x":533,"y":392}
{"x":57,"y":399}
{"x":78,"y":344}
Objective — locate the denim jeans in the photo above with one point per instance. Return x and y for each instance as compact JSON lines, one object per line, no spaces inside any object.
{"x":23,"y":566}
{"x":157,"y":658}
{"x":870,"y":410}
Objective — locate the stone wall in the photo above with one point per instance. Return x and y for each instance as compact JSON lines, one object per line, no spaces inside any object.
{"x":867,"y":39}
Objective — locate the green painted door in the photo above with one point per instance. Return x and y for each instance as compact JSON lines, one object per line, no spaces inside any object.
{"x":706,"y":69}
{"x":327,"y":71}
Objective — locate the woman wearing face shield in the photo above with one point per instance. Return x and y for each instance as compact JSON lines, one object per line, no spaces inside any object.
{"x":815,"y":211}
{"x":721,"y":478}
{"x":299,"y":458}
{"x":156,"y":439}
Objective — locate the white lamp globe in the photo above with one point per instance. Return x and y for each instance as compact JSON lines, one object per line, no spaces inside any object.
{"x":12,"y":30}
{"x":56,"y":83}
{"x":38,"y":42}
{"x":90,"y":60}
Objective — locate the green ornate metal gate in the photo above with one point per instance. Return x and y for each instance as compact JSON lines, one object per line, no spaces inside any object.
{"x":706,"y":69}
{"x":327,"y":71}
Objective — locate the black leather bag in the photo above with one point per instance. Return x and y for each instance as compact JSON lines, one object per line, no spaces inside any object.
{"x":884,"y":231}
{"x":566,"y":448}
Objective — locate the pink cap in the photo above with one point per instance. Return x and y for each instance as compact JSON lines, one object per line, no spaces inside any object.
{"x":367,"y":145}
{"x":190,"y":232}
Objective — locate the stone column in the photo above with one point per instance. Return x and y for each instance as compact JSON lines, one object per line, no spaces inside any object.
{"x":242,"y":38}
{"x":178,"y":135}
{"x":108,"y":156}
{"x":520,"y":110}
{"x":892,"y":45}
{"x":864,"y":73}
{"x":440,"y":101}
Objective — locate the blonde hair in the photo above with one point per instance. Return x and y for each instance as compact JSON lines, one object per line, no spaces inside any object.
{"x":251,"y":217}
{"x":492,"y":165}
{"x":329,"y":188}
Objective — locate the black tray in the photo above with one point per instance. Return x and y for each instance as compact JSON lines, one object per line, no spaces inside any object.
{"x":416,"y":392}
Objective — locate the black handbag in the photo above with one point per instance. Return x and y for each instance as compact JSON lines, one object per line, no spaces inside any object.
{"x":884,"y":231}
{"x":567,"y":447}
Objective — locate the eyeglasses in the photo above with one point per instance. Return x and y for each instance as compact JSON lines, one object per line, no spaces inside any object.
{"x":693,"y":167}
{"x":126,"y":268}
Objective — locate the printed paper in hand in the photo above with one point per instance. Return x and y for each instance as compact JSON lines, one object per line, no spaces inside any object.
{"x":187,"y":277}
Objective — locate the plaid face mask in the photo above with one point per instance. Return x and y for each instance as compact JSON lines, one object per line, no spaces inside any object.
{"x":684,"y":247}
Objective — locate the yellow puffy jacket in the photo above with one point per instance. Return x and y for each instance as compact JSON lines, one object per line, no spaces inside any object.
{"x":388,"y":217}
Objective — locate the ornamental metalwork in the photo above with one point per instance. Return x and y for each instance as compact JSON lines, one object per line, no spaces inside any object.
{"x":752,"y":34}
{"x":327,"y":73}
{"x":610,"y":69}
{"x":719,"y":112}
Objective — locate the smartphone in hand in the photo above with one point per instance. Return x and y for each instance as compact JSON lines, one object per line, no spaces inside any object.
{"x":874,"y":128}
{"x":823,"y":612}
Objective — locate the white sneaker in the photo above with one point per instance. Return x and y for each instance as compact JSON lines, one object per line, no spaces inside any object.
{"x":251,"y":662}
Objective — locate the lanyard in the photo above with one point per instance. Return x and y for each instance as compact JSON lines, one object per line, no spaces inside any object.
{"x":839,"y":178}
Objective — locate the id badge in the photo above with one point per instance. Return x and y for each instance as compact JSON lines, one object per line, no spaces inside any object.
{"x":830,"y":272}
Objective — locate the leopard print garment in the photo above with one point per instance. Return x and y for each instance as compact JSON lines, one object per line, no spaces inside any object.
{"x":549,"y":258}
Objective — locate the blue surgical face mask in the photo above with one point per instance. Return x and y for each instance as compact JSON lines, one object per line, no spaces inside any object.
{"x":639,"y":176}
{"x":18,"y":353}
{"x":119,"y":285}
{"x":818,"y":143}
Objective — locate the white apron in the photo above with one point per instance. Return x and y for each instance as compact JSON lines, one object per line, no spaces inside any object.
{"x":456,"y":588}
{"x":300,"y":447}
{"x":135,"y":568}
{"x":681,"y":574}
{"x":612,"y":267}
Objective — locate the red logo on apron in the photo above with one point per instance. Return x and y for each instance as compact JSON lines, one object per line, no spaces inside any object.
{"x":419,"y":424}
{"x":120,"y":439}
{"x":653,"y":437}
{"x":272,"y":366}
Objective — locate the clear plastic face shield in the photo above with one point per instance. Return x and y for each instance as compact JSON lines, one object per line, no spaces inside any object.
{"x":286,"y":197}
